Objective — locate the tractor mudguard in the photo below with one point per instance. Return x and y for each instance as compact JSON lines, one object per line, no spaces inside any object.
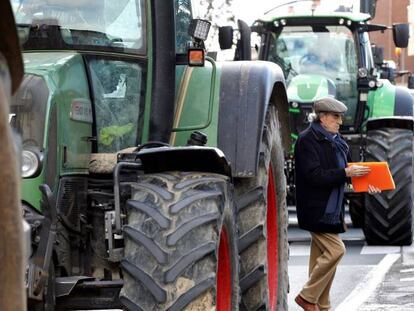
{"x":401,"y":122}
{"x":247,"y":88}
{"x":185,"y":159}
{"x":404,"y":102}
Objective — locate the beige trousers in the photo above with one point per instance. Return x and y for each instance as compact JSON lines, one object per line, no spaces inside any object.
{"x":326,"y":251}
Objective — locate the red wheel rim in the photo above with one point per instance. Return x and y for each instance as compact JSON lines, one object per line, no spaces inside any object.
{"x":272,"y":241}
{"x":224,"y":274}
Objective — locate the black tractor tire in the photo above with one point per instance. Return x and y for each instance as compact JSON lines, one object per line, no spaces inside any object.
{"x":262,"y":221}
{"x":388,"y":218}
{"x":357,"y":211}
{"x":180,"y":244}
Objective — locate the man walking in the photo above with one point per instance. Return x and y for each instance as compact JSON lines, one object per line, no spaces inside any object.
{"x":321,"y":157}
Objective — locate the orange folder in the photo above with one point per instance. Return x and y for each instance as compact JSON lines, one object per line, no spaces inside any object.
{"x":380,"y":177}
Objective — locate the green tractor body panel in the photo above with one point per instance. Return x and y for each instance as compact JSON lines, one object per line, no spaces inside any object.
{"x":30,"y":191}
{"x":382,"y":100}
{"x":308,"y":87}
{"x":196,"y":106}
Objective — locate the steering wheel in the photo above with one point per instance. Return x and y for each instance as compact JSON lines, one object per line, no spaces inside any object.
{"x":309,"y":58}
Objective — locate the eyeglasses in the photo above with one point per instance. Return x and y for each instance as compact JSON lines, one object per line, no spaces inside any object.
{"x":336,"y":115}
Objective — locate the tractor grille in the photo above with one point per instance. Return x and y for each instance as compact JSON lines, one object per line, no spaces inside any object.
{"x":72,"y":200}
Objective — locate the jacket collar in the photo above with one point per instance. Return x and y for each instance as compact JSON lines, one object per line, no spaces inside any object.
{"x":318,"y":136}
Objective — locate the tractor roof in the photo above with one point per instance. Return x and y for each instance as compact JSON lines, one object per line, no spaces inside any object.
{"x":315,"y":11}
{"x":314,"y":17}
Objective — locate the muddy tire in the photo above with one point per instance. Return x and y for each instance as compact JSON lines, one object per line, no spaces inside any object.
{"x":388,"y":218}
{"x":262,"y":225}
{"x":180,"y":244}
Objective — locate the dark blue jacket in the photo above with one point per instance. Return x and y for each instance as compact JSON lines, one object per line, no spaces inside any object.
{"x":316,"y":174}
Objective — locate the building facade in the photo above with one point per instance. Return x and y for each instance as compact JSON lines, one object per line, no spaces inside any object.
{"x":389,"y":12}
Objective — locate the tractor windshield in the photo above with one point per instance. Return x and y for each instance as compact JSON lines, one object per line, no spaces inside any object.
{"x":318,"y":61}
{"x":106,"y":25}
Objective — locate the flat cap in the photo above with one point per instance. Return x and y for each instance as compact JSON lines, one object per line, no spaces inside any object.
{"x":329,"y":104}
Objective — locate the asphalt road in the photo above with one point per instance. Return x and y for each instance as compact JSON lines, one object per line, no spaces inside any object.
{"x":369,"y":278}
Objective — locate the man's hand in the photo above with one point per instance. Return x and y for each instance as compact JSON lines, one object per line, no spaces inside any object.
{"x":357,"y":170}
{"x":373,"y":190}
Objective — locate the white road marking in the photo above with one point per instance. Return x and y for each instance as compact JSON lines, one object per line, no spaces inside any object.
{"x":407,"y":270}
{"x":365,"y":288}
{"x":304,"y":250}
{"x":407,"y":279}
{"x":374,"y":250}
{"x":299,"y":250}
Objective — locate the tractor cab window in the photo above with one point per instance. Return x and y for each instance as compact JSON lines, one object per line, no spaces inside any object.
{"x":318,"y":61}
{"x":81,"y":24}
{"x":183,"y":16}
{"x":28,"y":111}
{"x":366,"y":51}
{"x":118,"y":96}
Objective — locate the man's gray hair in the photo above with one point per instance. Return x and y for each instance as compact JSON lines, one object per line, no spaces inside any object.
{"x":315,"y":116}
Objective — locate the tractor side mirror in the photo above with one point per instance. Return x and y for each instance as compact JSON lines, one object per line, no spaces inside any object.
{"x":226,"y":37}
{"x":401,"y":34}
{"x":378,"y":54}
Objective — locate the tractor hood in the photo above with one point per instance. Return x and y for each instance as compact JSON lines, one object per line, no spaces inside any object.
{"x":310,"y":87}
{"x":52,"y":113}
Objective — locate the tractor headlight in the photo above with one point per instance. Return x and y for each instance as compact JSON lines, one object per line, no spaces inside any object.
{"x":199,"y":29}
{"x":362,"y":72}
{"x":31,"y":163}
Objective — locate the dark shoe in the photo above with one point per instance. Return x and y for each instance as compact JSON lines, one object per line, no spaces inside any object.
{"x":306,"y":305}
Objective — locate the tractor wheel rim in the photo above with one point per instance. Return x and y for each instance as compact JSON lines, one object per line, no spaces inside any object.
{"x":224,"y":280}
{"x":272,"y":241}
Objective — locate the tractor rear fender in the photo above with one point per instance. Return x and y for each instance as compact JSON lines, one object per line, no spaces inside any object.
{"x":404,"y":102}
{"x":184,"y":159}
{"x":401,"y":122}
{"x":247,"y":88}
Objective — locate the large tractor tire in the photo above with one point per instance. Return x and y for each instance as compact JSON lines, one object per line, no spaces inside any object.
{"x":180,"y":244}
{"x":357,"y":211}
{"x":388,"y":218}
{"x":262,"y":224}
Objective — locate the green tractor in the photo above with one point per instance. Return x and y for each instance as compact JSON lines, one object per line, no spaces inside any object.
{"x":153,"y":176}
{"x":329,"y":54}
